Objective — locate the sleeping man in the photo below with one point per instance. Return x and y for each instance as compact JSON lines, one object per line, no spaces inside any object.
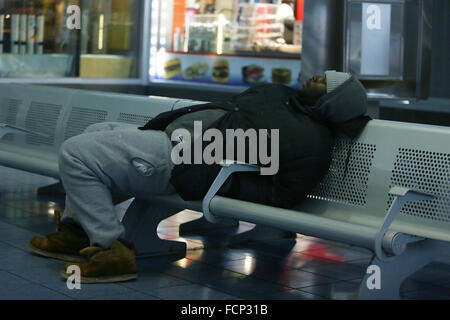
{"x":113,"y":158}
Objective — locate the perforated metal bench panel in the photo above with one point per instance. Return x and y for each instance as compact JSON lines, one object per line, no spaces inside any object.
{"x":389,"y":154}
{"x":38,"y":109}
{"x":60,"y":114}
{"x":344,"y":183}
{"x":87,"y":108}
{"x":9,"y":110}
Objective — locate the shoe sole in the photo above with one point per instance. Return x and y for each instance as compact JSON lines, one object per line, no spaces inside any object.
{"x":110,"y":279}
{"x":58,"y":256}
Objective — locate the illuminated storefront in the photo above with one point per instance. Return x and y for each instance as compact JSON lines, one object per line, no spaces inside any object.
{"x":226,"y":42}
{"x":56,"y":39}
{"x":217,"y":45}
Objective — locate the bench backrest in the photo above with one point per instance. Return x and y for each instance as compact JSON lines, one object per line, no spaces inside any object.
{"x":62,"y":113}
{"x":389,"y":154}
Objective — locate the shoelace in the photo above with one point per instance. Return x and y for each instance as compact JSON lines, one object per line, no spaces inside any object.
{"x":89,"y":252}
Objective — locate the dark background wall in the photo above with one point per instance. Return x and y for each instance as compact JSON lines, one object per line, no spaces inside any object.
{"x":436,"y":109}
{"x":440,"y":81}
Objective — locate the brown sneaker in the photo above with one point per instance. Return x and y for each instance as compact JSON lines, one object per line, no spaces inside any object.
{"x":116,"y":264}
{"x":62,"y":245}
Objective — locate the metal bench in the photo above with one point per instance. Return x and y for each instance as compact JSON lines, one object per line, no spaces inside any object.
{"x":36,"y":120}
{"x":392,"y":197}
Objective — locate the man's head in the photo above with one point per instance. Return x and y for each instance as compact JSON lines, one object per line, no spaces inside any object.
{"x":314,"y":88}
{"x":318,"y":86}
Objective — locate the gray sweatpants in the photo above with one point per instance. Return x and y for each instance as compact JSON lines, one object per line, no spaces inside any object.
{"x":112,"y":158}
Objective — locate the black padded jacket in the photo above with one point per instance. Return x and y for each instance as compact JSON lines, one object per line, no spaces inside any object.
{"x":306,"y":140}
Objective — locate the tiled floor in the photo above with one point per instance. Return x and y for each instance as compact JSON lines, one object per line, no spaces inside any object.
{"x":301,"y":269}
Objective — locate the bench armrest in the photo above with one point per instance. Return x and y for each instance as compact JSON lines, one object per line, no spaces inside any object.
{"x":229,"y":167}
{"x":410,"y":194}
{"x":7,"y":128}
{"x":402,"y":196}
{"x":238,"y":164}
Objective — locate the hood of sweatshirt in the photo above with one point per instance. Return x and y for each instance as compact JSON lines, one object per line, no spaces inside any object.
{"x":342,"y":110}
{"x":348,"y":101}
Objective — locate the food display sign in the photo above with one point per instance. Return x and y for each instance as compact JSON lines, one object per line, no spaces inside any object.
{"x":227,"y":69}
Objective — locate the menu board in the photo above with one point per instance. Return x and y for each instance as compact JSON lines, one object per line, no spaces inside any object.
{"x":229,"y":70}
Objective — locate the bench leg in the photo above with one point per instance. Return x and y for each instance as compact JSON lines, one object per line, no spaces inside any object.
{"x":56,"y":189}
{"x":202,"y":226}
{"x":141,"y":223}
{"x":261,"y":233}
{"x":395,"y":271}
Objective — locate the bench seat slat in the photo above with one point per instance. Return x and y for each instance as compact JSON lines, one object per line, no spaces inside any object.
{"x":31,"y":161}
{"x":358,"y":230}
{"x":295,"y":221}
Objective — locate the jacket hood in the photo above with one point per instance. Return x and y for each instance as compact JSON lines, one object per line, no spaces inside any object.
{"x":349,"y":101}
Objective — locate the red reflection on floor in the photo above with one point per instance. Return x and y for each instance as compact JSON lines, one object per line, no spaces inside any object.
{"x":319,"y":251}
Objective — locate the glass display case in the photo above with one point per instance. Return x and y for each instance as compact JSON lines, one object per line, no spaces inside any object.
{"x":387,"y":45}
{"x":76,"y":39}
{"x":226,"y":42}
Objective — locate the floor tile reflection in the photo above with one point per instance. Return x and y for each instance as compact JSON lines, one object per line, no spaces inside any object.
{"x":305,"y":268}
